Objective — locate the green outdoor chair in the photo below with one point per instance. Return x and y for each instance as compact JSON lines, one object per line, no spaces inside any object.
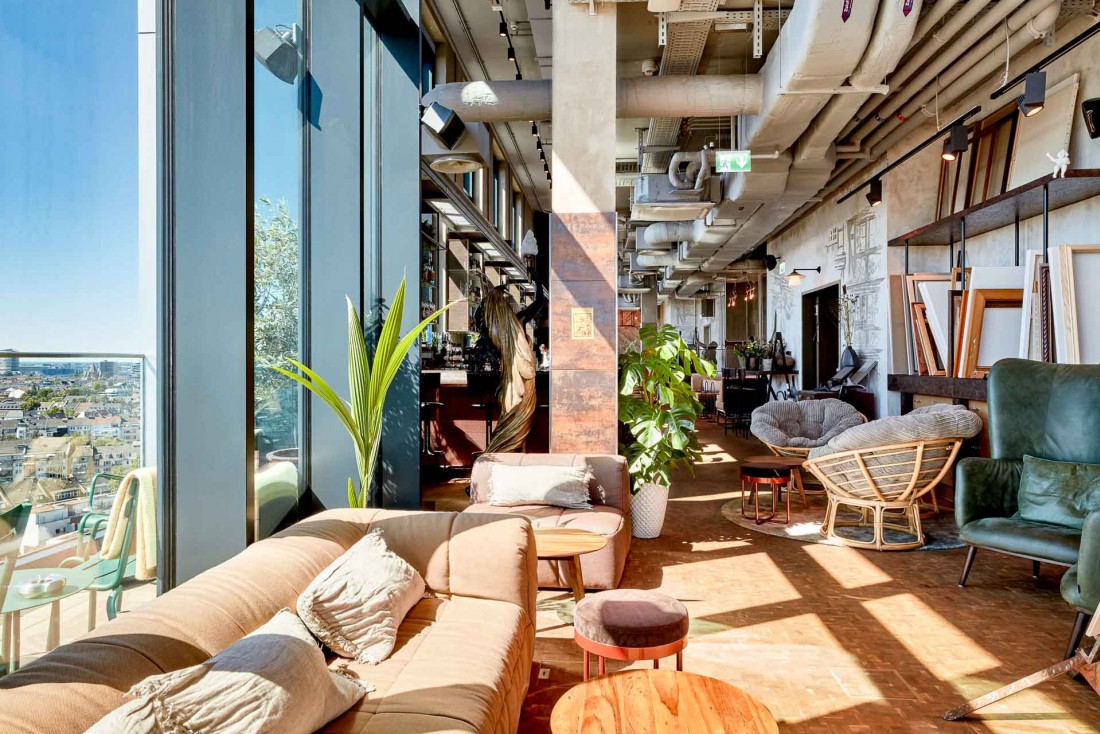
{"x":1049,"y":412}
{"x":13,"y":523}
{"x":110,"y":574}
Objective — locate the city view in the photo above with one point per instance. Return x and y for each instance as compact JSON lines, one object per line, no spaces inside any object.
{"x":62,"y":422}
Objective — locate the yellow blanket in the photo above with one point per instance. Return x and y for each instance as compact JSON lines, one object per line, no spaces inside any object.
{"x":143,"y":543}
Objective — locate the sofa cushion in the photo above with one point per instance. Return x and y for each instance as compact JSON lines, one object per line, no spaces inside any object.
{"x":631,"y":618}
{"x":1058,"y":492}
{"x":602,"y":519}
{"x":356,"y":604}
{"x":1055,"y":543}
{"x":803,"y":424}
{"x":441,"y":676}
{"x":273,"y":680}
{"x":559,"y":486}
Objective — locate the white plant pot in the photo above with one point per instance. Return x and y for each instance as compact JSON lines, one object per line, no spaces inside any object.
{"x":647,"y":510}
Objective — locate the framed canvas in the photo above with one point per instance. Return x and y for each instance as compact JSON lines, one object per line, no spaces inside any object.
{"x":994,"y":328}
{"x":912,"y":295}
{"x":1074,"y":276}
{"x":926,"y":345}
{"x":987,"y":278}
{"x":958,"y":328}
{"x":918,"y":348}
{"x":1031,"y":338}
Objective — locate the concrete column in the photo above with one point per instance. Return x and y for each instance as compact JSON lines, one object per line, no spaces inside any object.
{"x":649,"y":302}
{"x":583,"y":319}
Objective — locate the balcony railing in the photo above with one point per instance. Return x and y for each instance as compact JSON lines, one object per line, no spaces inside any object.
{"x":66,"y":418}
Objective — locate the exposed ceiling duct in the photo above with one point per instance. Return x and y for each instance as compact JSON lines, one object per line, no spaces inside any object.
{"x":530,"y":99}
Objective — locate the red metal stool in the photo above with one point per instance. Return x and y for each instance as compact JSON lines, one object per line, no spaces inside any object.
{"x":759,"y":470}
{"x":630,"y":624}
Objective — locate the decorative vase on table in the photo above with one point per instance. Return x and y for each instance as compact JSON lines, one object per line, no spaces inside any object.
{"x":849,"y":357}
{"x":647,"y":510}
{"x":766,"y":364}
{"x":752,"y":363}
{"x":743,"y":361}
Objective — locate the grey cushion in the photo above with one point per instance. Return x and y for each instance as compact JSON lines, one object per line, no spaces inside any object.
{"x":924,"y":424}
{"x":803,"y":424}
{"x":631,"y":618}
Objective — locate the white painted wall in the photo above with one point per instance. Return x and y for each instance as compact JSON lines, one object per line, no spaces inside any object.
{"x":848,"y":240}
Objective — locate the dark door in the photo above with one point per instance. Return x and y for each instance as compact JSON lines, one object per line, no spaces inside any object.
{"x":820,"y":336}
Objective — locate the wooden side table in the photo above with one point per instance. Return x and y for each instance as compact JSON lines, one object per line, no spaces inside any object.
{"x":567,"y":545}
{"x":765,"y":471}
{"x":658,"y":701}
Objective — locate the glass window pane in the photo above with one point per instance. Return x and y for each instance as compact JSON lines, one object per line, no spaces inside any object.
{"x":278,"y":261}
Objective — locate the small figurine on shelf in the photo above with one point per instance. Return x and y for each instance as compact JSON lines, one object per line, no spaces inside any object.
{"x":544,"y":363}
{"x":1061,"y":163}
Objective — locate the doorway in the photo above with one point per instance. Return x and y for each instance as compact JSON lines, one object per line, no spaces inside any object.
{"x":820,"y":335}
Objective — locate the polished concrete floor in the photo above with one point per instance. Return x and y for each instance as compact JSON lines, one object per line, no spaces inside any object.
{"x":833,"y":639}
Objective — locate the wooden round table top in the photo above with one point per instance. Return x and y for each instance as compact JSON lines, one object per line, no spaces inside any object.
{"x":658,"y":701}
{"x":787,"y":462}
{"x":567,"y":542}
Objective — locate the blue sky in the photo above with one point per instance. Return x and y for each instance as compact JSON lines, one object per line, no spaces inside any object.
{"x":68,"y":169}
{"x":68,"y":175}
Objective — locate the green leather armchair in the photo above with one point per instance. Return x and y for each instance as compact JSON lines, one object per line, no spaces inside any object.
{"x":1050,"y":411}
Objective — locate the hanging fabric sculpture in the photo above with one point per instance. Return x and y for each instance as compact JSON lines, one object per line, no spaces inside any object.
{"x":516,"y":394}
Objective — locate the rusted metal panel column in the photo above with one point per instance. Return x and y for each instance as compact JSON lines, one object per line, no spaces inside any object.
{"x":583,"y":319}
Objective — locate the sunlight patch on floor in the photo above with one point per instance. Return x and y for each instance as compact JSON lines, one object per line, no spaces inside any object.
{"x":946,"y":651}
{"x":709,"y":546}
{"x":1022,"y":711}
{"x":754,"y":580}
{"x":849,"y":567}
{"x":719,"y":496}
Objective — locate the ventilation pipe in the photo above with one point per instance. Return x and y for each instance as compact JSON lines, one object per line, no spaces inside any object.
{"x":693,"y":284}
{"x":643,"y":96}
{"x":697,"y":173}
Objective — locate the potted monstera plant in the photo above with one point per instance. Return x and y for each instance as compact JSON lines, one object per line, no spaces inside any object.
{"x":659,"y":409}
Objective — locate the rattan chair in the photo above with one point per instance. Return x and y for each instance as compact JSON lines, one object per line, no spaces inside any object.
{"x":883,"y":484}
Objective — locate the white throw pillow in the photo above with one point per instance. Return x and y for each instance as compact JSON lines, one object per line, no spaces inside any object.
{"x":540,"y":484}
{"x":356,"y":604}
{"x":273,"y":681}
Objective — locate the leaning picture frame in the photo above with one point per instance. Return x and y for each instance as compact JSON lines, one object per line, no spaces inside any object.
{"x":912,"y":295}
{"x":989,"y":338}
{"x":926,"y":345}
{"x":1074,"y":271}
{"x":1031,"y":338}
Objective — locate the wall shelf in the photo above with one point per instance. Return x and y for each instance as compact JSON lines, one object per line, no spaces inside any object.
{"x":1018,"y":204}
{"x":956,"y":388}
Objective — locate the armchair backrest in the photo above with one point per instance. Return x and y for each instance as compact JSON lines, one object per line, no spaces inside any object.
{"x":1047,"y":410}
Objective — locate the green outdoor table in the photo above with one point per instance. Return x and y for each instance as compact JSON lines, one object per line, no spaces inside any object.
{"x":76,"y":580}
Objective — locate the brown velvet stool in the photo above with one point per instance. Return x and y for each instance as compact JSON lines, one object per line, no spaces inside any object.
{"x":630,"y":624}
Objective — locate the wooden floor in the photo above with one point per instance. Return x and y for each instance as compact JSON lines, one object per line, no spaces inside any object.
{"x":835,"y":639}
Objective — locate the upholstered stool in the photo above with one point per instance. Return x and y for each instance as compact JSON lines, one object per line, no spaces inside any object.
{"x":757,"y":470}
{"x":630,"y":624}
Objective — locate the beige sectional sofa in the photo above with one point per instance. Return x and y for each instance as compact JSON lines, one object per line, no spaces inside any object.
{"x":609,"y":516}
{"x":462,"y":661}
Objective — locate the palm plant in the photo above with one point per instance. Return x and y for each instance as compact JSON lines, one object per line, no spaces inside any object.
{"x":369,"y":381}
{"x":658,"y":406}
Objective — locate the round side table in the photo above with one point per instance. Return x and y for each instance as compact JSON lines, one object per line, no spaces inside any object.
{"x":659,"y":701}
{"x":568,"y":545}
{"x":758,"y":470}
{"x":76,"y":580}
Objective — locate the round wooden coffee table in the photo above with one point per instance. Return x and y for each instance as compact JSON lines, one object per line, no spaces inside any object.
{"x":657,"y":701}
{"x":568,"y":545}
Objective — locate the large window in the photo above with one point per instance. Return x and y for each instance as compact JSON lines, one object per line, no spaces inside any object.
{"x":277,"y":248}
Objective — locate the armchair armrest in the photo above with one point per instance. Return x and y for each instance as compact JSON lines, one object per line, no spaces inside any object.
{"x":1088,"y":562}
{"x":986,"y":488}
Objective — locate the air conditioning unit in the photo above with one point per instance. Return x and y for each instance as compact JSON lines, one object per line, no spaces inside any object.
{"x":656,"y":200}
{"x":470,"y":153}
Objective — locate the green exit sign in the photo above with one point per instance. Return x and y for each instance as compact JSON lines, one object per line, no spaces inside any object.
{"x":733,"y":161}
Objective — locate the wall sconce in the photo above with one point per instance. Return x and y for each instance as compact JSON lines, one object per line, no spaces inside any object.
{"x":795,"y":278}
{"x":276,"y":48}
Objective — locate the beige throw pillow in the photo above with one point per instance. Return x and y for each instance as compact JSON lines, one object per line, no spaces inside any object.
{"x":356,"y":604}
{"x":534,"y":484}
{"x":273,"y":681}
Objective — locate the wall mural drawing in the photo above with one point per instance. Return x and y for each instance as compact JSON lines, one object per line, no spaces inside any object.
{"x":863,"y":265}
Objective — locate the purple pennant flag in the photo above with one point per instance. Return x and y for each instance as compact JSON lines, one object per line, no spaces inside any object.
{"x":907,"y":8}
{"x":846,"y":10}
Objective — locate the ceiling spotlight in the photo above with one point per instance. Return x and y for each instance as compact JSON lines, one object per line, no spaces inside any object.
{"x":538,"y":144}
{"x":1035,"y":94}
{"x":502,"y":29}
{"x":955,"y":143}
{"x":796,"y":278}
{"x":519,"y":76}
{"x":276,"y":48}
{"x":511,"y":53}
{"x":542,"y":154}
{"x":534,"y":129}
{"x":874,"y":192}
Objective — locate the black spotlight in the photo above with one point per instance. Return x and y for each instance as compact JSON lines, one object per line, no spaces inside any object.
{"x":1090,"y":110}
{"x":502,"y":29}
{"x":1035,"y":94}
{"x":534,"y":129}
{"x":955,"y":143}
{"x":511,"y":54}
{"x":874,"y":192}
{"x":538,"y":144}
{"x":519,"y":76}
{"x":444,"y":124}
